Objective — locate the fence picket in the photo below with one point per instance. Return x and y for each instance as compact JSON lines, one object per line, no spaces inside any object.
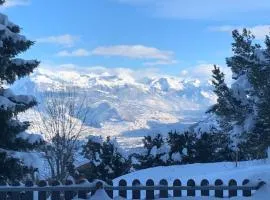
{"x":110,"y":192}
{"x":29,"y":195}
{"x":177,"y":192}
{"x":69,"y":194}
{"x":205,"y":192}
{"x":55,"y":194}
{"x":42,"y":195}
{"x":191,"y":192}
{"x":82,"y":193}
{"x":123,"y":193}
{"x":15,"y":195}
{"x":246,"y":193}
{"x":163,"y":193}
{"x":150,"y":194}
{"x":232,"y":193}
{"x":136,"y":194}
{"x":218,"y":192}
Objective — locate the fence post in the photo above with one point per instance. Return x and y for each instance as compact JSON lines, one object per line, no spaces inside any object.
{"x":122,"y":193}
{"x":177,"y":192}
{"x":205,"y":192}
{"x":15,"y":195}
{"x":99,"y":186}
{"x":163,"y":193}
{"x":191,"y":192}
{"x":150,"y":194}
{"x":30,"y":194}
{"x":55,"y":194}
{"x":42,"y":195}
{"x":3,"y":195}
{"x":232,"y":193}
{"x":110,"y":192}
{"x":136,"y":194}
{"x":247,"y":192}
{"x":218,"y":192}
{"x":82,"y":193}
{"x":69,"y":194}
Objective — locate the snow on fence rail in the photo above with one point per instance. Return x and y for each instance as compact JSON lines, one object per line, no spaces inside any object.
{"x":57,"y":191}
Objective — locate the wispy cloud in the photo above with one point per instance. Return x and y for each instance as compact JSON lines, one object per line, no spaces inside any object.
{"x":133,"y":51}
{"x":260,"y":31}
{"x":75,"y":53}
{"x":100,"y":70}
{"x":206,"y":9}
{"x":151,"y":56}
{"x":66,"y":40}
{"x":11,"y":3}
{"x":161,"y":62}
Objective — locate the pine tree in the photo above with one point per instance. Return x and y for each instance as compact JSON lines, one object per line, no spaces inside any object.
{"x":106,"y":159}
{"x":244,"y":50}
{"x":250,"y":87}
{"x":11,"y":129}
{"x":155,"y":153}
{"x":183,"y":147}
{"x":213,"y":147}
{"x":246,"y":113}
{"x":224,"y":106}
{"x":190,"y":147}
{"x":227,"y":106}
{"x":259,"y":139}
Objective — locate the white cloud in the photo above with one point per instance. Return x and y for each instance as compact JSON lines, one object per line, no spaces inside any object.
{"x":66,"y":40}
{"x":204,"y":72}
{"x":75,"y":53}
{"x":161,"y":62}
{"x":201,"y":72}
{"x":206,"y":9}
{"x":101,"y":70}
{"x":150,"y":55}
{"x":11,"y":3}
{"x":133,"y":51}
{"x":260,"y":31}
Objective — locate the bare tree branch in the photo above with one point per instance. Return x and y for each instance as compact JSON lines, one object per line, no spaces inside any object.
{"x":62,"y":115}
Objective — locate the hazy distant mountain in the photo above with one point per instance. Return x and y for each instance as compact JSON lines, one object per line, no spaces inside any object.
{"x":125,"y":106}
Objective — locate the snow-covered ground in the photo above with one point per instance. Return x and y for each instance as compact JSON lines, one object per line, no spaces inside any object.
{"x":255,"y":171}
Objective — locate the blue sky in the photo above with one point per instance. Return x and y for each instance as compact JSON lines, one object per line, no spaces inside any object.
{"x":171,"y":36}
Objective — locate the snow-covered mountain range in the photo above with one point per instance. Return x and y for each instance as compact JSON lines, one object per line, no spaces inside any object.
{"x":128,"y":106}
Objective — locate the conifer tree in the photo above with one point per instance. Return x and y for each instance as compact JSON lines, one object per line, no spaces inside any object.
{"x":106,"y":159}
{"x":227,"y":106}
{"x":182,"y":147}
{"x":222,"y":107}
{"x":155,"y":153}
{"x":249,"y":72}
{"x":259,"y":138}
{"x":12,"y":131}
{"x":246,"y":103}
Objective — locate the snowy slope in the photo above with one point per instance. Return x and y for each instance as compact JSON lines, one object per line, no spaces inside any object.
{"x":253,"y":170}
{"x":125,"y":105}
{"x":259,"y":169}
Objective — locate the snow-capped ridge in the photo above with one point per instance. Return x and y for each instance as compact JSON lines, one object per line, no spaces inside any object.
{"x":123,"y":104}
{"x":165,"y":84}
{"x":102,"y":112}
